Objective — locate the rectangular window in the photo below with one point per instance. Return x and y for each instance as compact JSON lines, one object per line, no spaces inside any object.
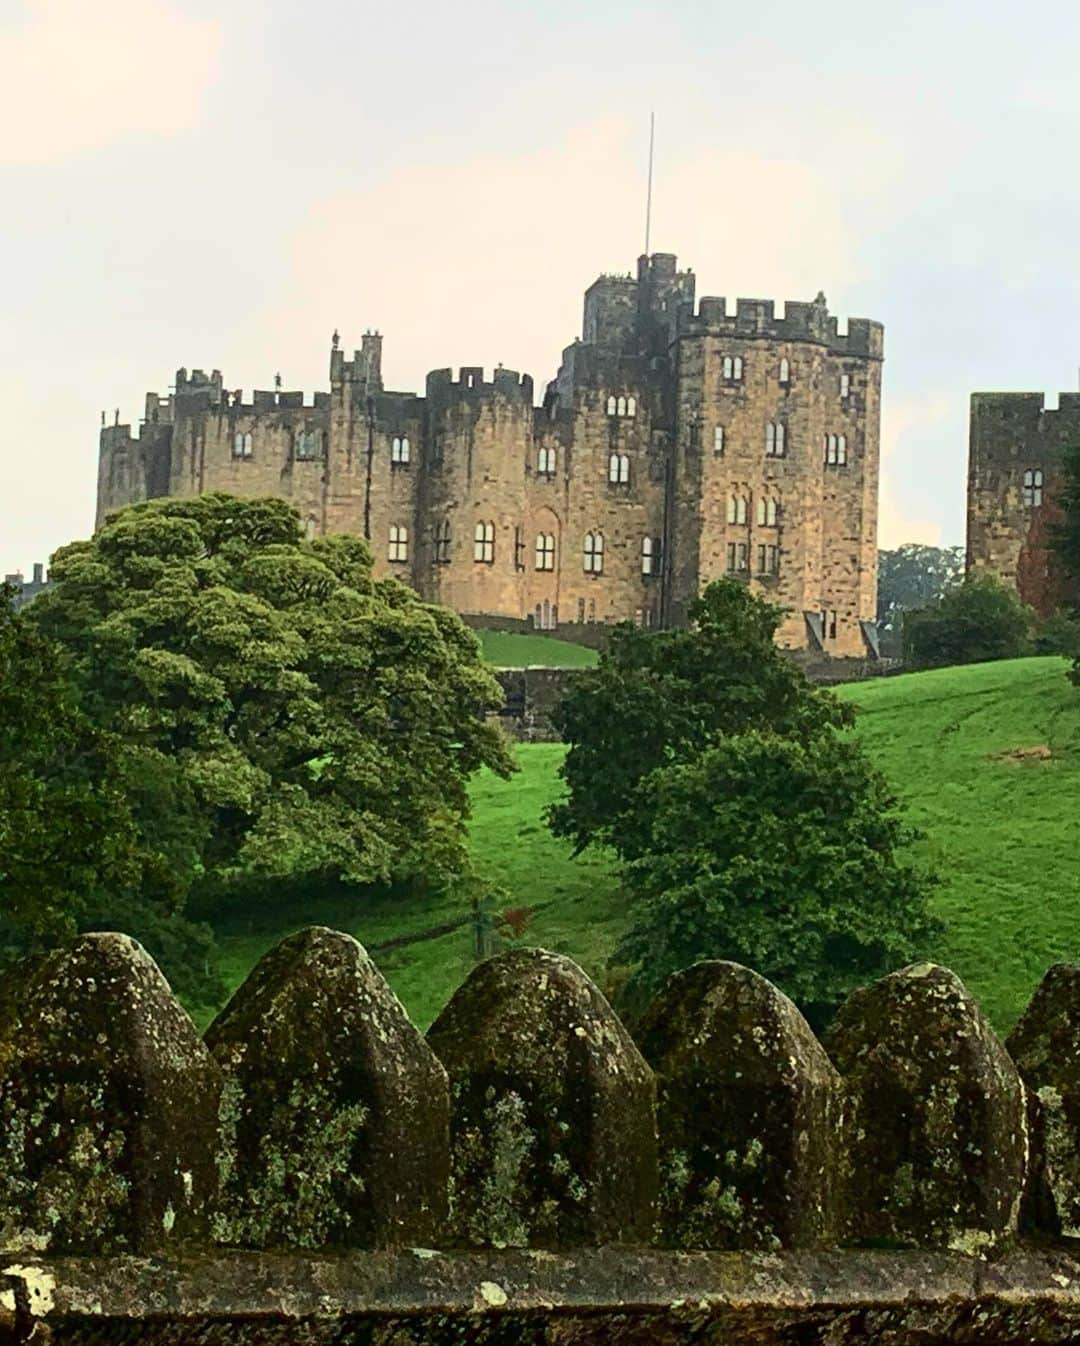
{"x":398,"y":549}
{"x":845,"y":385}
{"x":593,"y":556}
{"x":545,"y":462}
{"x":545,"y":551}
{"x":773,"y":559}
{"x":718,"y":439}
{"x":731,"y":556}
{"x":646,"y":556}
{"x":832,"y":624}
{"x":761,"y":558}
{"x":741,"y":556}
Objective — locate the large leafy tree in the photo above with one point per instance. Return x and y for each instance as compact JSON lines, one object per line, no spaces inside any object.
{"x":280,"y":710}
{"x":658,"y":698}
{"x":66,"y":832}
{"x":913,"y":575}
{"x":780,"y":854}
{"x":980,"y":620}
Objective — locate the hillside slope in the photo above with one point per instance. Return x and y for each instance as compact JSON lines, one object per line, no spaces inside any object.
{"x":1002,"y":831}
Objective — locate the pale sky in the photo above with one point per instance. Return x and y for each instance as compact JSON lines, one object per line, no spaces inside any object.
{"x":220,"y":184}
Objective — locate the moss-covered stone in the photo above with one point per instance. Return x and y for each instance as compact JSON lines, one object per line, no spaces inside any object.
{"x":553,"y":1124}
{"x":108,"y":1105}
{"x":938,"y":1147}
{"x":1045,"y":1045}
{"x":334,"y":1115}
{"x":750,"y":1114}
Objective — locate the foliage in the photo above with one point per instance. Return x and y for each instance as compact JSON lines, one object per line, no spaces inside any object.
{"x":65,"y":830}
{"x":781,"y":855}
{"x":280,"y":711}
{"x":71,"y":856}
{"x":661,"y":697}
{"x":1059,"y":634}
{"x":914,"y":575}
{"x":979,"y":620}
{"x":1066,"y":539}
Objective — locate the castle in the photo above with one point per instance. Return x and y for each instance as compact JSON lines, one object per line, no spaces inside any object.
{"x":1015,"y":452}
{"x":676,"y":444}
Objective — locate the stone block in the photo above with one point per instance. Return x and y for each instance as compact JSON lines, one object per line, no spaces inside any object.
{"x":938,"y":1146}
{"x":553,"y":1129}
{"x":108,"y":1105}
{"x":750,"y":1114}
{"x":1045,"y":1045}
{"x":335,"y":1115}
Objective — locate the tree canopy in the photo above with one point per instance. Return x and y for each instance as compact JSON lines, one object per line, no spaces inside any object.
{"x":912,"y":576}
{"x":279,"y":710}
{"x":65,"y":829}
{"x":660,"y":697}
{"x":782,"y":855}
{"x":979,"y":620}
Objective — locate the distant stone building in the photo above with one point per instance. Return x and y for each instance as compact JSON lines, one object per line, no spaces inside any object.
{"x":27,"y":589}
{"x":1015,"y":453}
{"x":676,"y":444}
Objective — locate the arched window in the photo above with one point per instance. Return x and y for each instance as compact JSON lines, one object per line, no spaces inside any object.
{"x":442,"y":542}
{"x":611,"y":405}
{"x":845,"y":385}
{"x":621,"y":407}
{"x":398,"y":550}
{"x":781,"y":439}
{"x":761,"y":511}
{"x":770,"y":439}
{"x":718,"y":439}
{"x":732,"y":508}
{"x":545,"y":551}
{"x":785,"y":372}
{"x":729,"y":367}
{"x":1033,"y":486}
{"x":399,"y":449}
{"x":631,"y":406}
{"x":830,"y":450}
{"x":594,"y":553}
{"x":841,"y":450}
{"x":742,"y":509}
{"x":545,"y":461}
{"x":242,"y":444}
{"x":771,"y":510}
{"x":650,"y":556}
{"x":484,"y":543}
{"x":619,"y":469}
{"x":737,"y":373}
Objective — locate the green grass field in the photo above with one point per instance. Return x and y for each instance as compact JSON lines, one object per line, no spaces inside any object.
{"x":506,"y":650}
{"x":1002,"y":832}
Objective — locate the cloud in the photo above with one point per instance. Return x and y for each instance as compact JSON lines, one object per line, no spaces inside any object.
{"x":76,"y":75}
{"x":486,"y":259}
{"x":919,"y":471}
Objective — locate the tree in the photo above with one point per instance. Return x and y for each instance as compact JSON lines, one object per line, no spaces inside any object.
{"x":657,"y":698}
{"x":913,"y":576}
{"x":71,"y":855}
{"x":979,"y":620}
{"x":780,"y":854}
{"x":65,"y":829}
{"x":280,"y":711}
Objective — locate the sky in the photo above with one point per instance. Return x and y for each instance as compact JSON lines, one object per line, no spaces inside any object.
{"x":220,"y":185}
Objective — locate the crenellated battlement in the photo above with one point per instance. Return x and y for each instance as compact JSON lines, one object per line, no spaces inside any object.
{"x":287,"y":1177}
{"x":470,"y":383}
{"x":801,"y":321}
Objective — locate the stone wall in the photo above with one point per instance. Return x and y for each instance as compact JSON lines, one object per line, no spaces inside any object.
{"x":1008,"y":527}
{"x":314,"y":1170}
{"x":606,"y":503}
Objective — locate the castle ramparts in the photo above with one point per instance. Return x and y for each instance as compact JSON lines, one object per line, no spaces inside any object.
{"x":674,"y":445}
{"x":314,"y":1170}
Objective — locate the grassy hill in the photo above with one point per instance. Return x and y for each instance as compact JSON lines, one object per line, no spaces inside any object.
{"x":1000,"y":826}
{"x":506,"y":650}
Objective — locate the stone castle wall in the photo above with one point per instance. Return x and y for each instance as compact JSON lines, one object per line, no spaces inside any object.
{"x":314,"y":1170}
{"x":1014,"y":460}
{"x":623,"y":451}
